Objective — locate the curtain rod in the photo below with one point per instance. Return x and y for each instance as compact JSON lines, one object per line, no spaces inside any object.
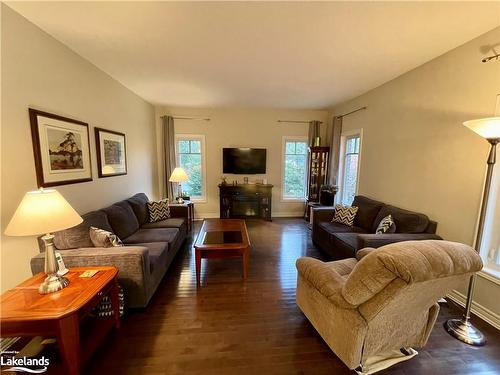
{"x":298,"y":122}
{"x":188,"y":118}
{"x":356,"y":110}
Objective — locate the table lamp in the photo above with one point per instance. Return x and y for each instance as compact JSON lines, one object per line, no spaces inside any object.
{"x":43,"y":212}
{"x":462,"y":329}
{"x":179,"y":175}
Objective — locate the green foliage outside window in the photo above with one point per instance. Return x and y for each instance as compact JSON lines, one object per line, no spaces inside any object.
{"x":189,"y":152}
{"x":295,"y":169}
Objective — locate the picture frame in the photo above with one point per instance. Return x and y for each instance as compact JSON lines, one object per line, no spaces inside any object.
{"x":61,"y":148}
{"x":111,"y":153}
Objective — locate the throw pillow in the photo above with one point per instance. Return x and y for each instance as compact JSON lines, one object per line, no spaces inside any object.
{"x":386,"y":225}
{"x":345,"y":214}
{"x":103,"y":238}
{"x":158,"y":210}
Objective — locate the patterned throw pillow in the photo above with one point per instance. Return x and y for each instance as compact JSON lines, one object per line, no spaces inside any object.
{"x":386,"y":225}
{"x":345,"y":214}
{"x":158,"y":211}
{"x":103,"y":238}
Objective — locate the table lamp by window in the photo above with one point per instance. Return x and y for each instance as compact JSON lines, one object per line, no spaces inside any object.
{"x":179,"y":175}
{"x":43,"y":212}
{"x":462,"y":329}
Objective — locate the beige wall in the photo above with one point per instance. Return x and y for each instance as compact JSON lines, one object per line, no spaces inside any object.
{"x":42,"y":73}
{"x":241,"y":128}
{"x":416,"y":153}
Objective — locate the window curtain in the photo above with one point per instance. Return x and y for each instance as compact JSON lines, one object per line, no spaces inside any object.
{"x":168,"y":156}
{"x":334,"y":133}
{"x":314,"y":132}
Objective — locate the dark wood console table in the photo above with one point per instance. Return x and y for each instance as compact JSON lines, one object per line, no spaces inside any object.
{"x":245,"y":201}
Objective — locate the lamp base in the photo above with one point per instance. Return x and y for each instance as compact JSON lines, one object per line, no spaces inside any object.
{"x":464,"y":331}
{"x":52,"y":284}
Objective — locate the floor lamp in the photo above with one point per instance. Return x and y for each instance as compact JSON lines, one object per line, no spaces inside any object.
{"x":462,"y":329}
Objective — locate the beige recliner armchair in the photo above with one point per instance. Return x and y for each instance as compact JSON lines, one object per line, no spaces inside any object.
{"x":385,"y":300}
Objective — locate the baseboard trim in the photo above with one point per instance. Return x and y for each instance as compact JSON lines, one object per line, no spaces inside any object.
{"x":207,"y":215}
{"x":215,"y":215}
{"x":480,"y":311}
{"x":289,"y":214}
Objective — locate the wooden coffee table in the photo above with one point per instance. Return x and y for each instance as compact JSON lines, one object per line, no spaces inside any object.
{"x":222,"y":238}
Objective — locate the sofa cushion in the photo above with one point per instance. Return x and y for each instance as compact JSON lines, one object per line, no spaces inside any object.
{"x":157,"y":253}
{"x":122,"y":219}
{"x":367,"y":212}
{"x":386,"y":225}
{"x":343,"y":267}
{"x":104,"y":238}
{"x":79,"y":235}
{"x":412,"y":262}
{"x":172,"y":222}
{"x":406,"y":221}
{"x":344,"y":214}
{"x":139,"y":204}
{"x":340,"y":228}
{"x":159,"y":210}
{"x":152,"y":235}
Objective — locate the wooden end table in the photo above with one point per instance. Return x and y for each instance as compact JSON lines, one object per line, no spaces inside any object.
{"x":189,"y":205}
{"x":25,"y":312}
{"x":222,"y":238}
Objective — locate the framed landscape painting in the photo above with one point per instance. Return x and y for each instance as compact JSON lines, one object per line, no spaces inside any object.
{"x":61,"y":149}
{"x":111,"y":153}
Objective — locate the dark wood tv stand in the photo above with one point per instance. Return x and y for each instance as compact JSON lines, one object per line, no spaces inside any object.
{"x":245,"y":201}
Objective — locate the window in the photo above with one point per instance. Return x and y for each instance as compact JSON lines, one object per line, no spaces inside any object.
{"x":190,"y":150}
{"x":490,"y":246}
{"x":294,"y":168}
{"x":350,"y":151}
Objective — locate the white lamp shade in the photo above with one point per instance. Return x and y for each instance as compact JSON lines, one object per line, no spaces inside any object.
{"x":488,"y":128}
{"x":41,"y":212}
{"x":178,"y":175}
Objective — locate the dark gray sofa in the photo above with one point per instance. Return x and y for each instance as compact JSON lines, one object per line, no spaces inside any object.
{"x":143,"y":261}
{"x":340,"y":241}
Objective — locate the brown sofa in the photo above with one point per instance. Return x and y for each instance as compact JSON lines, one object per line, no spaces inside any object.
{"x":143,"y":261}
{"x":371,"y":307}
{"x":340,"y":241}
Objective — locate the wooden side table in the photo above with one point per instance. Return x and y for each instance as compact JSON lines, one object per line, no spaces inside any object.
{"x":189,"y":205}
{"x":25,"y":312}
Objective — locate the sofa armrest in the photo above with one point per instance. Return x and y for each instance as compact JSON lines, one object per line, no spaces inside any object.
{"x":132,"y":263}
{"x":322,"y":214}
{"x":378,"y":240}
{"x":325,"y":279}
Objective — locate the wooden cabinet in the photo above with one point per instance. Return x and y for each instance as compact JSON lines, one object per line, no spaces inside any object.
{"x":318,"y":167}
{"x":245,"y":201}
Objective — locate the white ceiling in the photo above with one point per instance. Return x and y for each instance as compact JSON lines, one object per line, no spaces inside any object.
{"x":259,"y":54}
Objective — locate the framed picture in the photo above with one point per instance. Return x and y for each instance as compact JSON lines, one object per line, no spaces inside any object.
{"x":61,"y":149}
{"x":111,"y":153}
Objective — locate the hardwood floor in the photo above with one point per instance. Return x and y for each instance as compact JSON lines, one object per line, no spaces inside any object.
{"x":231,"y":327}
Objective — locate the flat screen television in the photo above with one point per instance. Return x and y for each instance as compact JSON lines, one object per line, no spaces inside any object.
{"x":244,"y":160}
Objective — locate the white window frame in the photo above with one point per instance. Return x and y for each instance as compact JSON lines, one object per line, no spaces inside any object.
{"x":343,"y":141}
{"x":195,"y":137}
{"x":491,"y":271}
{"x":284,"y":139}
